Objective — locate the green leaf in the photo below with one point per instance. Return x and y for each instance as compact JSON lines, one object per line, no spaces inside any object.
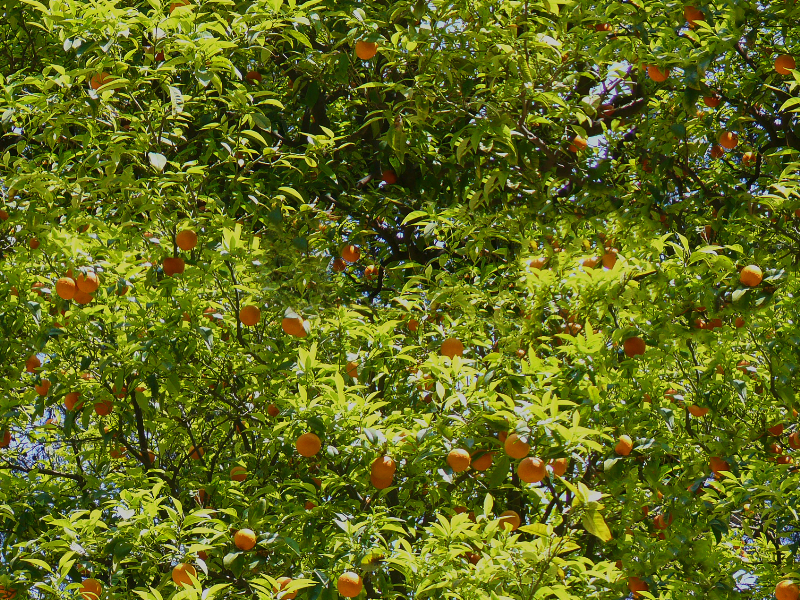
{"x":594,"y":523}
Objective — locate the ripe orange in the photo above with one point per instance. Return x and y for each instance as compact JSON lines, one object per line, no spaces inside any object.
{"x":636,"y":585}
{"x":98,"y":80}
{"x":283,"y":583}
{"x":5,"y":439}
{"x":351,"y":253}
{"x":244,"y":539}
{"x":510,"y":518}
{"x":413,"y":325}
{"x":253,"y":77}
{"x":371,"y":272}
{"x":294,"y":326}
{"x":178,"y":4}
{"x":578,"y":143}
{"x":250,"y":315}
{"x":634,"y":346}
{"x":794,"y":440}
{"x":718,"y":465}
{"x":784,"y":64}
{"x":717,"y":151}
{"x":751,"y":276}
{"x":273,"y":410}
{"x":662,"y":522}
{"x":624,"y":445}
{"x":697,"y":411}
{"x":352,"y":369}
{"x":82,"y":297}
{"x":459,"y":460}
{"x":238,"y":473}
{"x":452,"y":347}
{"x":657,"y":74}
{"x":309,"y":505}
{"x":776,"y":430}
{"x":531,"y":470}
{"x":182,"y":574}
{"x":173,"y":266}
{"x":186,"y":239}
{"x":692,"y":14}
{"x":609,"y":259}
{"x":91,"y":589}
{"x":308,"y":444}
{"x":66,"y":288}
{"x":559,"y":466}
{"x":349,"y":584}
{"x":728,"y":140}
{"x":71,"y":401}
{"x":537,"y":263}
{"x":32,"y":363}
{"x":515,"y":447}
{"x":389,"y":177}
{"x":43,"y":388}
{"x":483,"y":462}
{"x":366,"y":50}
{"x":749,"y":159}
{"x":739,"y":323}
{"x":88,"y":283}
{"x":380,"y":483}
{"x":196,"y":453}
{"x":104,"y":407}
{"x":712,"y":101}
{"x":786,"y":590}
{"x":383,"y":467}
{"x":338,"y":265}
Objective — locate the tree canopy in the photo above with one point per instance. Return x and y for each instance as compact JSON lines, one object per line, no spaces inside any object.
{"x":470,"y":299}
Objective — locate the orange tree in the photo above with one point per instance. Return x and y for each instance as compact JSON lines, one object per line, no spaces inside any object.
{"x":400,"y":299}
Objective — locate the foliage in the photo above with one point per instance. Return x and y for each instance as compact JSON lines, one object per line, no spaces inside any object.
{"x":456,"y":160}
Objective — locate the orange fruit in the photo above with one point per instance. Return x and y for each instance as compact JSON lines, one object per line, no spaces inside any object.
{"x":749,"y":159}
{"x":338,"y":265}
{"x":173,"y":266}
{"x":712,"y":101}
{"x":371,"y":272}
{"x":352,"y":369}
{"x":308,"y":444}
{"x":178,"y":4}
{"x":784,"y":64}
{"x":250,"y":315}
{"x":717,"y":151}
{"x":483,"y":462}
{"x":309,"y":505}
{"x":413,"y":325}
{"x":294,"y":326}
{"x":182,"y":574}
{"x":389,"y":177}
{"x":43,"y":388}
{"x":662,"y":522}
{"x":71,"y":400}
{"x":283,"y":583}
{"x":739,"y":323}
{"x":186,"y":239}
{"x":750,"y":276}
{"x":624,"y":445}
{"x":5,"y":440}
{"x":794,"y":440}
{"x":244,"y":539}
{"x":452,"y":347}
{"x":253,"y":77}
{"x":559,"y":466}
{"x":91,"y":589}
{"x":515,"y":447}
{"x":383,"y":467}
{"x":776,"y":430}
{"x":657,"y":74}
{"x":351,"y":253}
{"x":380,"y":483}
{"x":786,"y":590}
{"x":728,"y":140}
{"x":531,"y":470}
{"x":98,"y":80}
{"x":196,"y":453}
{"x":366,"y":50}
{"x":537,"y":263}
{"x":634,"y":346}
{"x":636,"y":585}
{"x":459,"y":460}
{"x":718,"y":465}
{"x":82,"y":297}
{"x":273,"y":410}
{"x":32,"y":363}
{"x":104,"y":407}
{"x":692,"y":14}
{"x":578,"y":143}
{"x":66,"y":288}
{"x":349,"y":584}
{"x":697,"y":411}
{"x":510,"y":518}
{"x":88,"y":283}
{"x":238,"y":473}
{"x":609,"y":259}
